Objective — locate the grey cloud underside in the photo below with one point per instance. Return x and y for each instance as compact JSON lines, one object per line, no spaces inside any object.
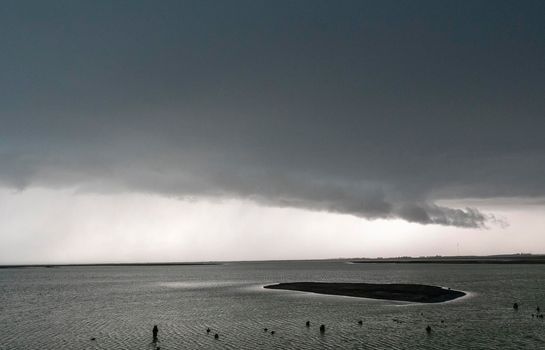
{"x":372,"y":109}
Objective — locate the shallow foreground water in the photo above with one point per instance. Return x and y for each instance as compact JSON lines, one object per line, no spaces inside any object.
{"x":63,"y":308}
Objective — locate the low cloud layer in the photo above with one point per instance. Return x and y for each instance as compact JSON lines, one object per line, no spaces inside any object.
{"x":374,"y":110}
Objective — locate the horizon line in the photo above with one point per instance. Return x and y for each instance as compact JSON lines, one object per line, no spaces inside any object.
{"x":221,"y":262}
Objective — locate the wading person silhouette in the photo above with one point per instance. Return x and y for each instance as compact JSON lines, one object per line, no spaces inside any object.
{"x":155,"y":331}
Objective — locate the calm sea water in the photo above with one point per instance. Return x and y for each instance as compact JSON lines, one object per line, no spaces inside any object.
{"x":63,"y":308}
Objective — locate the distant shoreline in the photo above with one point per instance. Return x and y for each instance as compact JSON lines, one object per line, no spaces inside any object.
{"x":467,"y":259}
{"x":456,"y":260}
{"x":418,"y":293}
{"x":108,"y":264}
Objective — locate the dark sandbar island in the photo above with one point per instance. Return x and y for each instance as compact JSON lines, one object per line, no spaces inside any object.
{"x":418,"y":293}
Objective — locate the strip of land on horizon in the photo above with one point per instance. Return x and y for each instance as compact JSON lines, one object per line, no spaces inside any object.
{"x":469,"y":259}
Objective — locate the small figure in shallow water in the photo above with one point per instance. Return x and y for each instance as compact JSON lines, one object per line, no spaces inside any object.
{"x":322,"y":328}
{"x":265,"y":329}
{"x":216,"y":336}
{"x":428,"y":329}
{"x":360,"y":322}
{"x":538,"y":309}
{"x":207,"y":330}
{"x":516,"y":306}
{"x":272,"y":332}
{"x":155,"y":331}
{"x":307,"y":324}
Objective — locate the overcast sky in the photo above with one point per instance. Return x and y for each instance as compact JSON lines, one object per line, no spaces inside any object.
{"x":210,"y":130}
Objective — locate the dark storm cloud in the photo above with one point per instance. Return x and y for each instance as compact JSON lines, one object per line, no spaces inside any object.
{"x":376,"y":109}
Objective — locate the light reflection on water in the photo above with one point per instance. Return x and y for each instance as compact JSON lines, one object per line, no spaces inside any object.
{"x":63,"y":308}
{"x":198,"y":285}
